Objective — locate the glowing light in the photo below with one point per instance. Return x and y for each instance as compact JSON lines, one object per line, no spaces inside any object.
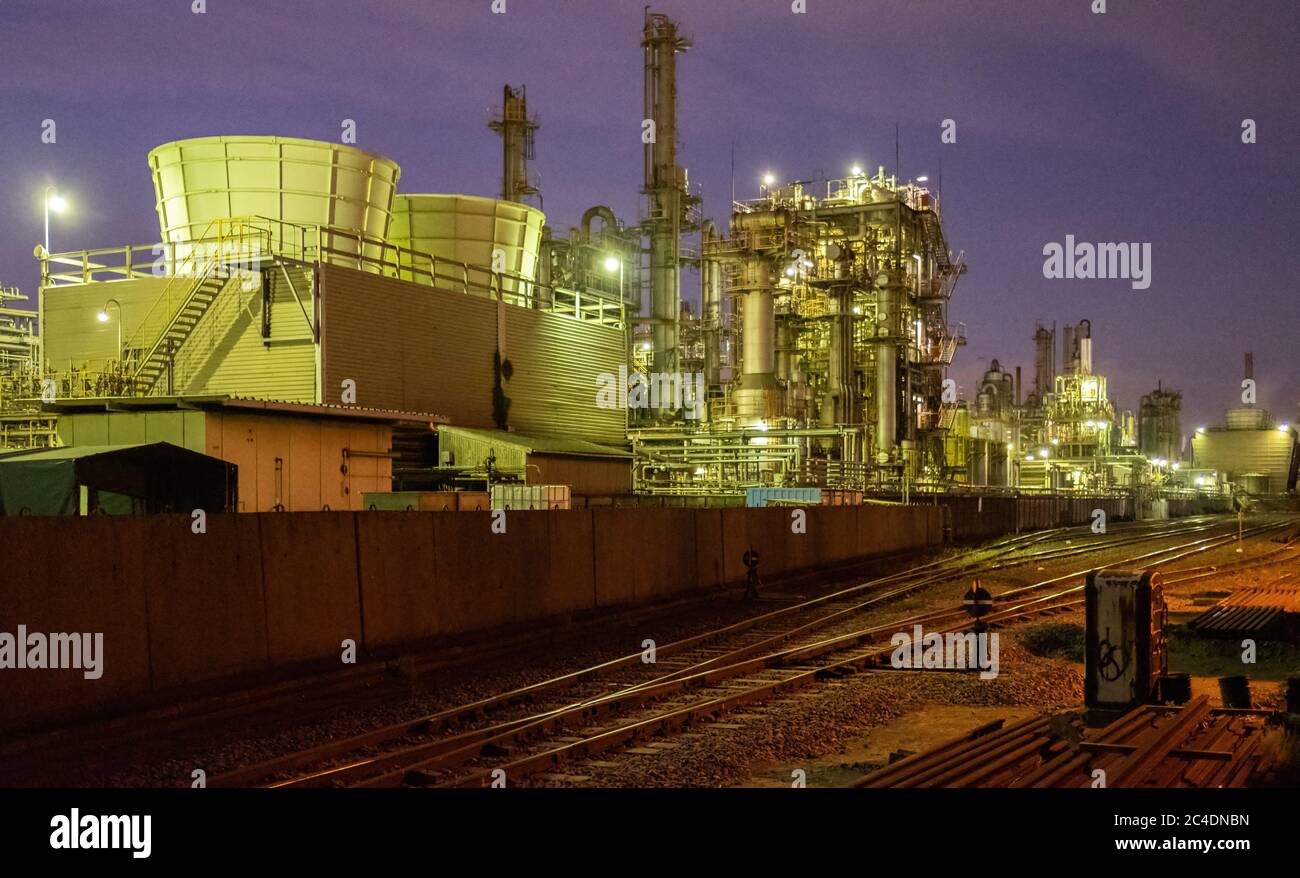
{"x":1056,"y":441}
{"x":790,"y":272}
{"x":857,"y":171}
{"x":646,"y":346}
{"x":699,"y":471}
{"x":761,"y":426}
{"x":612,"y":263}
{"x":1177,"y":464}
{"x":1283,"y":427}
{"x":103,"y":316}
{"x":1011,"y":446}
{"x":1043,"y":453}
{"x":768,"y":179}
{"x":857,"y":309}
{"x":1200,"y":429}
{"x":57,"y":203}
{"x":922,"y":179}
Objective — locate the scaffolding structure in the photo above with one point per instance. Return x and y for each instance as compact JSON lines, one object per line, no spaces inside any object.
{"x":22,"y":425}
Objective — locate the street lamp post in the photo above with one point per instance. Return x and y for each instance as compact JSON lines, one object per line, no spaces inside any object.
{"x":55,"y":203}
{"x":611,"y":262}
{"x":103,"y":318}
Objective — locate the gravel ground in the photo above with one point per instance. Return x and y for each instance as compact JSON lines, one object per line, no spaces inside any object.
{"x":825,"y":718}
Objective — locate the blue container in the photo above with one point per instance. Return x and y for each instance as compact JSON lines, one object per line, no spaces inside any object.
{"x":759,"y":497}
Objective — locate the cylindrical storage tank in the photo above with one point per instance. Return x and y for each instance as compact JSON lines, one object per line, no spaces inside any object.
{"x":295,"y":184}
{"x":468,"y":228}
{"x":1247,"y":418}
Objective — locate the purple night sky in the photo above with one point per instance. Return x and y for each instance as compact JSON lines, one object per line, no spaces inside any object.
{"x":1117,"y":127}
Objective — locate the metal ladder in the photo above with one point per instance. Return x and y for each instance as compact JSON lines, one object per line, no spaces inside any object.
{"x":195,"y":303}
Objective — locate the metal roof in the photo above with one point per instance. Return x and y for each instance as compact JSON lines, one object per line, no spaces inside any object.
{"x":538,"y":444}
{"x":67,"y":452}
{"x":237,"y":403}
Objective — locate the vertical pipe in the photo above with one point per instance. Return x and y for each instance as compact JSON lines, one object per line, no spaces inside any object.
{"x":663,"y":186}
{"x":711,"y":308}
{"x":886,"y":369}
{"x":759,"y":356}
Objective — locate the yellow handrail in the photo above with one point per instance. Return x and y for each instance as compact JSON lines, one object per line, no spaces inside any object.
{"x":181,"y":287}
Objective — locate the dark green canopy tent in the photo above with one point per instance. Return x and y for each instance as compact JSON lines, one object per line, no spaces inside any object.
{"x":114,"y":479}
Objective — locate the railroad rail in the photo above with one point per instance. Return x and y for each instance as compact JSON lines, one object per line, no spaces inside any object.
{"x":624,"y":700}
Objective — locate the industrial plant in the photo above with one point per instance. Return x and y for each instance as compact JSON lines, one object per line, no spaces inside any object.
{"x":364,"y":486}
{"x":818,"y":355}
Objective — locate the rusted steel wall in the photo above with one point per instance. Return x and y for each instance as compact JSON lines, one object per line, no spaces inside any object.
{"x":971,"y":517}
{"x":265,"y":594}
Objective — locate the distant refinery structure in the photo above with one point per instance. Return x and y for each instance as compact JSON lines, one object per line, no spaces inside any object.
{"x":818,"y":355}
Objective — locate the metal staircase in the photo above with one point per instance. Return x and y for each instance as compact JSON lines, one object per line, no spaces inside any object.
{"x":220,"y":257}
{"x":932,"y":232}
{"x":154,"y":359}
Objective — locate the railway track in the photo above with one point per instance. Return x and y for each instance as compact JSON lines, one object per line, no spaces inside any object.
{"x":592,"y":710}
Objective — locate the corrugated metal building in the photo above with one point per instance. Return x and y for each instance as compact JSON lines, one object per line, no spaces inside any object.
{"x":590,"y":469}
{"x":406,"y":346}
{"x":278,"y":279}
{"x":291,"y":457}
{"x":410,"y":347}
{"x":256,"y":343}
{"x":1261,"y":461}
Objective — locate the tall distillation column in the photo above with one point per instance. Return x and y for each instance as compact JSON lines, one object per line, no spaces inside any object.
{"x":890,"y":294}
{"x":518,"y":147}
{"x":839,"y":403}
{"x":711,"y":308}
{"x":757,"y":394}
{"x":1044,"y":361}
{"x":665,"y":185}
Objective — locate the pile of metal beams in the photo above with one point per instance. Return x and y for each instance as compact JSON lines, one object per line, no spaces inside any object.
{"x":1151,"y":746}
{"x":1271,"y":609}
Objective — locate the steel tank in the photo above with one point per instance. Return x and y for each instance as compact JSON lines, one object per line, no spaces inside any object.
{"x":469,"y":229}
{"x":291,"y":183}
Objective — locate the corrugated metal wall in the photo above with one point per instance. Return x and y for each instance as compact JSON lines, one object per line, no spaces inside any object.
{"x":298,"y":462}
{"x":591,"y":476}
{"x":472,"y":450}
{"x":407,"y":347}
{"x":556,"y":363}
{"x":185,"y":429}
{"x":70,"y":329}
{"x":413,"y":348}
{"x":227,"y":353}
{"x":1236,"y":452}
